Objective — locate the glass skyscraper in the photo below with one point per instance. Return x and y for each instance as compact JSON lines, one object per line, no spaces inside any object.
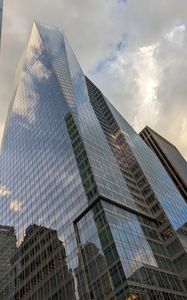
{"x":96,"y":215}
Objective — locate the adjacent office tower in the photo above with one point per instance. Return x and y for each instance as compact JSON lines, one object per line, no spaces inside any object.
{"x":72,"y":164}
{"x":170,"y":157}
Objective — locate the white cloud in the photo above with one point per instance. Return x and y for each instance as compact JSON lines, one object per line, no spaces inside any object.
{"x":4,"y":191}
{"x":16,"y":205}
{"x":148,"y":76}
{"x":170,"y":56}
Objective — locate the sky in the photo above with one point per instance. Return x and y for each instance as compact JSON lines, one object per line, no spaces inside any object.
{"x":135,"y":51}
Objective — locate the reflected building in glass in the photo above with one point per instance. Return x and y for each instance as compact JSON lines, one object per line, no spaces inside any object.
{"x":39,"y":268}
{"x":170,"y":157}
{"x":7,"y":250}
{"x":110,"y":222}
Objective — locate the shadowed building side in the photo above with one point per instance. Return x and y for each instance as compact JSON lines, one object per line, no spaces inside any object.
{"x":170,"y":157}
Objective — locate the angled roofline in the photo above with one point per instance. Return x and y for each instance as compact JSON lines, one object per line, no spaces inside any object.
{"x":163,"y":138}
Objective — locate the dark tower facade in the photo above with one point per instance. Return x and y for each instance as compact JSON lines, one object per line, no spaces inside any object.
{"x":170,"y":157}
{"x":76,"y":168}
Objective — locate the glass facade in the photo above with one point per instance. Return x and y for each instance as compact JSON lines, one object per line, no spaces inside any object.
{"x":94,"y":213}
